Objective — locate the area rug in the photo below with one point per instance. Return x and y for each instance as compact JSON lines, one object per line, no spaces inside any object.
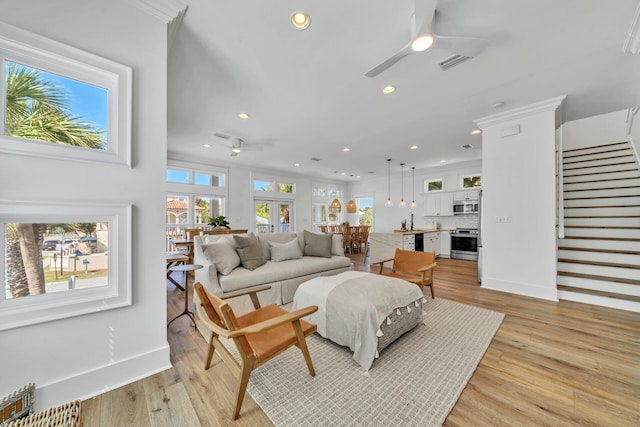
{"x":416,"y":381}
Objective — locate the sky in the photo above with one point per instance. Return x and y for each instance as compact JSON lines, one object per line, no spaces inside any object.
{"x":86,"y":101}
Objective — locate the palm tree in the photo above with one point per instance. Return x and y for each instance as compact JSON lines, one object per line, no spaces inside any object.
{"x":36,"y":109}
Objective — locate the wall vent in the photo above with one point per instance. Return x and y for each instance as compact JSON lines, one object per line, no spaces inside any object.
{"x":452,"y":61}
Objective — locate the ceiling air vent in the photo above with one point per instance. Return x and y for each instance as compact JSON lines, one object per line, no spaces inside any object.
{"x":315,"y":159}
{"x":452,"y":61}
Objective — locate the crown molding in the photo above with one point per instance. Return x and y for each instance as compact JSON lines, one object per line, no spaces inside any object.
{"x":632,"y":41}
{"x":170,"y":12}
{"x":527,"y":110}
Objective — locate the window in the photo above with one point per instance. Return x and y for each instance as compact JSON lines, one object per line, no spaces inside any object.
{"x":365,"y":210}
{"x":273,"y":186}
{"x":57,"y":264}
{"x":434,"y":185}
{"x":64,"y":103}
{"x":471,"y":181}
{"x":262,"y":185}
{"x":323,"y":194}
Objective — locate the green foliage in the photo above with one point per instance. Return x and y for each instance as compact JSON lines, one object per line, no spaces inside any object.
{"x":366,"y":216}
{"x":38,"y":110}
{"x":220,"y":221}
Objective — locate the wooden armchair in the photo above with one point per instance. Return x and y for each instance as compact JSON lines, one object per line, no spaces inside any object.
{"x":414,"y":267}
{"x":259,"y":335}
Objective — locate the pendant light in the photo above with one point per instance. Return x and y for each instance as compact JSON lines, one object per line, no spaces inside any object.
{"x":401,"y":205}
{"x":389,"y":203}
{"x":413,"y":186}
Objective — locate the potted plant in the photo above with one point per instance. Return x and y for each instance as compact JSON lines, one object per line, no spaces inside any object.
{"x":219,"y":222}
{"x":403,"y":225}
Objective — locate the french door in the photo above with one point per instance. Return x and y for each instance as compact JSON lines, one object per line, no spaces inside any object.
{"x":273,"y":216}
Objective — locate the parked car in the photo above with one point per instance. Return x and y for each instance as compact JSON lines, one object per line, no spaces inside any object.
{"x":68,"y":244}
{"x":51,"y":245}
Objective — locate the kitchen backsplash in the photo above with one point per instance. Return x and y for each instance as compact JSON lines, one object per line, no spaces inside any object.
{"x":451,"y":222}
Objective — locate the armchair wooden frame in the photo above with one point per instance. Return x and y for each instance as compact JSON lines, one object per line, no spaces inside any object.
{"x":414,"y":267}
{"x":259,"y":335}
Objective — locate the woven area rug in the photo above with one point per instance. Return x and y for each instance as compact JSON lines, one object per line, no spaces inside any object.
{"x":415,"y":382}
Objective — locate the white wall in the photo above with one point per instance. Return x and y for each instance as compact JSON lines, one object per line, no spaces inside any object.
{"x":519,"y":183}
{"x":78,"y":357}
{"x":598,"y":130}
{"x":386,"y":219}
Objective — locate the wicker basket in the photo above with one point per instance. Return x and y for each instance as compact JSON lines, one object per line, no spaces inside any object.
{"x":67,"y":415}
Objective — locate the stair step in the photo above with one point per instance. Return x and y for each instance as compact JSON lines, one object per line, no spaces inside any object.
{"x":603,"y":168}
{"x":613,"y":144}
{"x":605,"y":159}
{"x":609,"y":227}
{"x":595,"y":153}
{"x":600,"y":263}
{"x":619,"y":201}
{"x":600,"y":278}
{"x":587,"y":255}
{"x":602,"y":221}
{"x":599,"y":293}
{"x":622,"y":187}
{"x":598,"y":268}
{"x":602,"y":233}
{"x":599,"y":184}
{"x":599,"y":283}
{"x":596,"y":250}
{"x":603,"y":210}
{"x":607,"y":173}
{"x":598,"y":193}
{"x":600,"y":243}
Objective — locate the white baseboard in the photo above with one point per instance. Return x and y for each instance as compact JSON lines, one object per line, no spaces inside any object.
{"x":85,"y":385}
{"x":527,"y":289}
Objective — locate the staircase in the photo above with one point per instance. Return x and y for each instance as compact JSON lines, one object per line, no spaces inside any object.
{"x":599,"y":258}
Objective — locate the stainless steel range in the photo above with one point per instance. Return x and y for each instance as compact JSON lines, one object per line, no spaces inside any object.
{"x":464,"y":243}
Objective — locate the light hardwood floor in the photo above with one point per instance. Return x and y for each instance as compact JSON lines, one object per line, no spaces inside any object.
{"x":551,"y":363}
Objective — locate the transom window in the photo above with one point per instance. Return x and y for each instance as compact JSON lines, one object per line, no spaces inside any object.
{"x":434,"y":185}
{"x":471,"y":181}
{"x":273,"y":186}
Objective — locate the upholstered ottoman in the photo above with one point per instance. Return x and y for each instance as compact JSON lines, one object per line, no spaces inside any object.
{"x":363,"y":311}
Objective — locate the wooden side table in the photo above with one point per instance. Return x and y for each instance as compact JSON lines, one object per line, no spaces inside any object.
{"x":185,"y":268}
{"x":173,"y":259}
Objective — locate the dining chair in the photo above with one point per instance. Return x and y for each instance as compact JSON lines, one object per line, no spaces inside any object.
{"x":258,"y":336}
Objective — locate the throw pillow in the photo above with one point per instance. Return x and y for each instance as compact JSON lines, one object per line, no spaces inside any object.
{"x":285,"y":251}
{"x":223,"y":255}
{"x":317,"y":244}
{"x":337,"y":248}
{"x":249,"y":251}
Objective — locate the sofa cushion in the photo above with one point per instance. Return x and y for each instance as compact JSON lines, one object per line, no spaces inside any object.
{"x":266,"y":238}
{"x":249,"y":251}
{"x":285,"y":251}
{"x":317,"y":244}
{"x":271,"y":272}
{"x":223,"y":254}
{"x":337,"y":248}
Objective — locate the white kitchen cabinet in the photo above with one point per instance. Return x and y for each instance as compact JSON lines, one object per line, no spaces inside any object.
{"x":465,"y":195}
{"x":432,"y":242}
{"x":440,"y":204}
{"x":445,"y":244}
{"x":409,"y":242}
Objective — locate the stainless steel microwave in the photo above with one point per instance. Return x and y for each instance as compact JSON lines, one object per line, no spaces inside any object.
{"x":463,"y":207}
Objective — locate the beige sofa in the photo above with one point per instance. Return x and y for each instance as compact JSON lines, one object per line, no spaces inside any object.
{"x":221,"y":272}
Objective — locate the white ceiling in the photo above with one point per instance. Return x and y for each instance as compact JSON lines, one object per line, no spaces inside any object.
{"x":306,"y":90}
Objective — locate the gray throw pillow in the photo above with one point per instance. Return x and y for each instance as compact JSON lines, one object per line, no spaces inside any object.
{"x":317,"y":244}
{"x":223,"y":255}
{"x":285,"y":251}
{"x":249,"y":251}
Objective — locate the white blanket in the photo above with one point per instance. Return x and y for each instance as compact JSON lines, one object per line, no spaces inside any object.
{"x":352,"y":306}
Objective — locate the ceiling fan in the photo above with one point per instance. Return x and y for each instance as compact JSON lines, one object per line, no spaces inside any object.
{"x":423,"y":36}
{"x":236,"y":144}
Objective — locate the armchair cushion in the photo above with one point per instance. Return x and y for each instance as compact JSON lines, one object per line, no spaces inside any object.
{"x":317,"y":244}
{"x":285,"y":251}
{"x":223,"y":255}
{"x":249,"y":251}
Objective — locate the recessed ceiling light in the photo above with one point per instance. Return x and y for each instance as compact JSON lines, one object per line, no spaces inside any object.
{"x":358,"y":176}
{"x":346,"y":149}
{"x":296,"y":164}
{"x":236,"y":150}
{"x":476,"y":131}
{"x":422,"y":43}
{"x":343,"y":173}
{"x":243,"y":116}
{"x":443,"y":161}
{"x":414,"y":147}
{"x":206,"y":145}
{"x":388,"y":89}
{"x":300,"y":20}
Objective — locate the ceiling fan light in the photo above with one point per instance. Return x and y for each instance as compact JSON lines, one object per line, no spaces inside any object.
{"x":300,"y":20}
{"x":422,"y":43}
{"x":236,"y":150}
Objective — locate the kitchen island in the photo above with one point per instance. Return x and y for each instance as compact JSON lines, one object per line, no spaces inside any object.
{"x":382,"y":245}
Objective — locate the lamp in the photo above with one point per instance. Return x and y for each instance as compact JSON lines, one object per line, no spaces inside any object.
{"x":413,"y":186}
{"x":351,"y":207}
{"x":388,"y":203}
{"x":335,"y":206}
{"x":401,"y":205}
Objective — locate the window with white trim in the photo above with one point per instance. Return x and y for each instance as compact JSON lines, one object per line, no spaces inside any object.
{"x":471,"y":181}
{"x":61,"y":102}
{"x":432,"y":185}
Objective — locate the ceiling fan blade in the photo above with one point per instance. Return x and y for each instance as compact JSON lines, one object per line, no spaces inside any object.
{"x":252,"y":148}
{"x":467,"y":46}
{"x":222,"y":135}
{"x":389,"y":62}
{"x":233,"y":154}
{"x":424,"y":12}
